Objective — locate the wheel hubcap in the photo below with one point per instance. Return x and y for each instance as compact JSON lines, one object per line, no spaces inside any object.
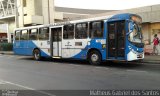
{"x":36,"y":55}
{"x":94,"y":57}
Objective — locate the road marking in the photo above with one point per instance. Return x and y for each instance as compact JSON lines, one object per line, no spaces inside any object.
{"x":106,"y":68}
{"x":25,"y":87}
{"x":2,"y":83}
{"x":99,"y":67}
{"x":137,"y":71}
{"x":89,"y":66}
{"x":1,"y":55}
{"x":76,"y":65}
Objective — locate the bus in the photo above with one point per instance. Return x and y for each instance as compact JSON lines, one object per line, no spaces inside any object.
{"x":115,"y":38}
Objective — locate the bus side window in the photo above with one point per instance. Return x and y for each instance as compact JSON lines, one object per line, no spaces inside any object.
{"x":17,"y":35}
{"x":96,"y":29}
{"x":24,"y":35}
{"x":68,"y":32}
{"x":33,"y":34}
{"x":81,"y":31}
{"x":44,"y":33}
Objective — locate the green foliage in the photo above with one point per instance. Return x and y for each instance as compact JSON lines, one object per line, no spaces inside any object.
{"x":6,"y":46}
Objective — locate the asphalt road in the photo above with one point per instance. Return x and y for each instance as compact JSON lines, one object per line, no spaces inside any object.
{"x":23,"y":73}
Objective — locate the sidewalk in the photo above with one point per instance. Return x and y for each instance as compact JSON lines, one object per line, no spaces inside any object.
{"x":152,"y":59}
{"x":7,"y":52}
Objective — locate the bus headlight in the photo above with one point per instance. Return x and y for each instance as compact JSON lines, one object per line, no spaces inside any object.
{"x":140,"y":56}
{"x":104,"y":46}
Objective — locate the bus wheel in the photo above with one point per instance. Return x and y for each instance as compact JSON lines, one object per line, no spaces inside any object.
{"x":37,"y":54}
{"x":95,"y":58}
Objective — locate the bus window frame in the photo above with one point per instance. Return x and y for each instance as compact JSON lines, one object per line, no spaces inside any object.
{"x":16,"y":35}
{"x":44,"y":39}
{"x":73,"y":32}
{"x":102,"y":29}
{"x":31,"y":32}
{"x":86,"y":30}
{"x":21,"y":34}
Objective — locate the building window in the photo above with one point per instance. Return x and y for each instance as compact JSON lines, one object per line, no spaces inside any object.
{"x":17,"y":35}
{"x":68,"y":32}
{"x":44,"y":33}
{"x":33,"y":34}
{"x":24,"y":35}
{"x":24,"y":3}
{"x":96,"y":29}
{"x":81,"y":31}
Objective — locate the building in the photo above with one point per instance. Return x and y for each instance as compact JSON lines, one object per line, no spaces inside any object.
{"x":3,"y":34}
{"x":36,"y":12}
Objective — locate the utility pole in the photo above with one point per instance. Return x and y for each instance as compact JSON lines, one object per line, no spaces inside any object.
{"x":16,"y":15}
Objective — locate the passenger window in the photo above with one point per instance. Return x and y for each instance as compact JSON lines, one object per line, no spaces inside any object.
{"x":24,"y":35}
{"x":81,"y":31}
{"x":68,"y":32}
{"x":96,"y":29}
{"x":57,"y":34}
{"x":44,"y":33}
{"x":17,"y":35}
{"x":33,"y":34}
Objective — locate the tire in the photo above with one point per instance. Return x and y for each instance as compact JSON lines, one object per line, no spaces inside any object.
{"x":95,"y":58}
{"x":37,"y":54}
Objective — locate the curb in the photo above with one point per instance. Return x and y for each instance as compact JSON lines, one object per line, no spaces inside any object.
{"x":4,"y":53}
{"x":151,"y":62}
{"x":144,"y":61}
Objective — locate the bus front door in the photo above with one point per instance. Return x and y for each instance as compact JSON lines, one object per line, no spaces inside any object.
{"x":56,"y":42}
{"x":116,"y":40}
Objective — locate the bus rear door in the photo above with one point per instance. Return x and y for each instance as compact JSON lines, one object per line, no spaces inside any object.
{"x":116,"y":40}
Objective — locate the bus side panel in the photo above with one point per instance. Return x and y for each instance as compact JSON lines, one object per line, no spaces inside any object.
{"x":104,"y":56}
{"x":81,"y":54}
{"x":27,"y":47}
{"x":93,"y":44}
{"x":41,"y":45}
{"x":21,"y":48}
{"x":98,"y":44}
{"x":44,"y":47}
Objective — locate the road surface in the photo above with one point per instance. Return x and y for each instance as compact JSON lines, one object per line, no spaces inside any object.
{"x":23,"y":73}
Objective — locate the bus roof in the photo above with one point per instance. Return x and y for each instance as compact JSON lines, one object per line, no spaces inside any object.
{"x":109,"y":17}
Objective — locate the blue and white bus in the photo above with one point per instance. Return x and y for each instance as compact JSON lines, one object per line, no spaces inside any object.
{"x":118,"y":37}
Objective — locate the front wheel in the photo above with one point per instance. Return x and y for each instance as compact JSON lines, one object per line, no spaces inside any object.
{"x":37,"y":54}
{"x":95,"y":58}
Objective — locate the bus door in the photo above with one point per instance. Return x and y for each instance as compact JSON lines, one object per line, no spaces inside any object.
{"x":56,"y":42}
{"x":116,"y":40}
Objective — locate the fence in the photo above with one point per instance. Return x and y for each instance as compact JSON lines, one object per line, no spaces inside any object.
{"x":6,"y":46}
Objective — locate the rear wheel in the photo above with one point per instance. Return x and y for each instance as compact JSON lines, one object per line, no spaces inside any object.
{"x":95,"y":58}
{"x":37,"y":54}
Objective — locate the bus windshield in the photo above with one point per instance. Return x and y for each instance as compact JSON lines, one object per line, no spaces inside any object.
{"x":136,"y":35}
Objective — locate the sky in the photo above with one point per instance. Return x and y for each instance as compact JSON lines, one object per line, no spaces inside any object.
{"x":105,"y":4}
